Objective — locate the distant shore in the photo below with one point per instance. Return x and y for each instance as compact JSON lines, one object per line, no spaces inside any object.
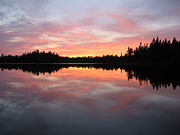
{"x":109,"y":64}
{"x":157,"y":53}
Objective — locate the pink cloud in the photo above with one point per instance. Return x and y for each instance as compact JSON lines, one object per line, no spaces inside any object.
{"x":123,"y":24}
{"x":78,"y":39}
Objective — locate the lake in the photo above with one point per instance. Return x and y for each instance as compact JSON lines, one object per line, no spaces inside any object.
{"x":88,"y":100}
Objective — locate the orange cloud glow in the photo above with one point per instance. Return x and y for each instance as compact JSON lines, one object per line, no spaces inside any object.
{"x":84,"y":38}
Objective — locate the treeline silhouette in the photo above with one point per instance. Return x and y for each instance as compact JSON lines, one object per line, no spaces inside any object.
{"x":31,"y":57}
{"x":157,"y":52}
{"x":43,"y":57}
{"x":157,"y":77}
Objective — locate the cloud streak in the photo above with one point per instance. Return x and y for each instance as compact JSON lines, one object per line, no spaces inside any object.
{"x":95,"y":29}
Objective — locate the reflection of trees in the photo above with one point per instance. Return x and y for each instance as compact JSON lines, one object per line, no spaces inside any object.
{"x":36,"y":69}
{"x":158,"y":77}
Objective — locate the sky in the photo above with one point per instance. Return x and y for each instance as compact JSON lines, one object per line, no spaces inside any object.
{"x":85,"y":27}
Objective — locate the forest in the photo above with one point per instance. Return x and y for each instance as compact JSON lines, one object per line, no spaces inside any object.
{"x":157,"y":52}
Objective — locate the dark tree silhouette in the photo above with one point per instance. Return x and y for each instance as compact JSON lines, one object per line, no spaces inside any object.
{"x":157,"y":52}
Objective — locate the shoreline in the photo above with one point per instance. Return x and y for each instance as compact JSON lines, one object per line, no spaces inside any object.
{"x":108,"y":64}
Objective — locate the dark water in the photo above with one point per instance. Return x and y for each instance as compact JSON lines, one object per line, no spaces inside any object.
{"x":89,"y":101}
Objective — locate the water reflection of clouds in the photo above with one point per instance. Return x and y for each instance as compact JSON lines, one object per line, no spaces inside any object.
{"x":46,"y":77}
{"x":80,"y":100}
{"x":110,"y":88}
{"x":70,"y":86}
{"x":16,"y":84}
{"x":75,"y":82}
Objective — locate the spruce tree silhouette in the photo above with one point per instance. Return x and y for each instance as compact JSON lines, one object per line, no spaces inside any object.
{"x":157,"y":52}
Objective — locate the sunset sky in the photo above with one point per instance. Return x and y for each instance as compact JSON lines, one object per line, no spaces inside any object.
{"x":85,"y":27}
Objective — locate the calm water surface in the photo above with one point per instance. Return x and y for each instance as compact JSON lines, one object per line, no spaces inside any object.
{"x":84,"y":101}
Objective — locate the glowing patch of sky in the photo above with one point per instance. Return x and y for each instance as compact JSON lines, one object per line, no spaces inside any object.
{"x":64,"y":24}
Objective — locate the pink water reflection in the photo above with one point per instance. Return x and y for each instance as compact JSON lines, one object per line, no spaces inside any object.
{"x":84,"y":101}
{"x":84,"y":86}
